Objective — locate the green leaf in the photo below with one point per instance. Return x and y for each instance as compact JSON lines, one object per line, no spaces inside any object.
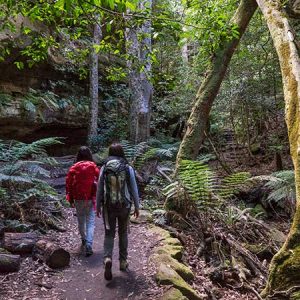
{"x":60,"y":4}
{"x":26,"y":30}
{"x":130,"y":5}
{"x":19,"y":65}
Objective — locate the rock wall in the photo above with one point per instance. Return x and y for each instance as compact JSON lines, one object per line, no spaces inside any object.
{"x":26,"y":121}
{"x":34,"y":101}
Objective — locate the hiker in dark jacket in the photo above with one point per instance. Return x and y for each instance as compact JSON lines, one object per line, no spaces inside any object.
{"x":117,"y":191}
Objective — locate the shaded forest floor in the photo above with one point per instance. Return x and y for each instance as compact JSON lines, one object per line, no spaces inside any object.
{"x":83,"y":279}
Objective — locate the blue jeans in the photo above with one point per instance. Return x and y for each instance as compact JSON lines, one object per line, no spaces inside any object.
{"x":86,"y":220}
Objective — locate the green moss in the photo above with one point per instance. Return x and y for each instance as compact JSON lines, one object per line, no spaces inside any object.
{"x":290,"y":267}
{"x":184,"y":271}
{"x":172,"y":241}
{"x":173,"y":294}
{"x":295,"y":296}
{"x":175,"y":251}
{"x":162,"y":232}
{"x":167,"y":276}
{"x":284,"y":271}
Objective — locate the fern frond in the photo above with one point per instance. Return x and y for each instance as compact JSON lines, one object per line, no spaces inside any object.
{"x":14,"y":151}
{"x":233,"y":184}
{"x":199,"y":181}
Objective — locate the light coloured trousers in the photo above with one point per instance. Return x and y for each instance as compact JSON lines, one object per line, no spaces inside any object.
{"x":86,"y":220}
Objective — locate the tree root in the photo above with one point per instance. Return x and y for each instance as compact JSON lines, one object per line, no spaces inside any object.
{"x":280,"y":295}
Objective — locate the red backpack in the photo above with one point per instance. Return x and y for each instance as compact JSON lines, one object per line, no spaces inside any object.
{"x":81,"y":180}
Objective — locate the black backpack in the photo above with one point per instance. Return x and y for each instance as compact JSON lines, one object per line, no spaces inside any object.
{"x":116,"y":178}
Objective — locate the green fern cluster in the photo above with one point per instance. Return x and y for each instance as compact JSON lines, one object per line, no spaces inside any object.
{"x":199,"y":181}
{"x":133,"y":151}
{"x":21,"y":191}
{"x":34,"y":102}
{"x":13,"y":151}
{"x":139,"y":154}
{"x":281,"y":187}
{"x":203,"y":185}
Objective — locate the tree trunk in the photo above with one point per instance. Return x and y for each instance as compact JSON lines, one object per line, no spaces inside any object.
{"x":209,"y":88}
{"x":9,"y":263}
{"x":285,"y":266}
{"x":139,"y":83}
{"x":94,"y":84}
{"x":53,"y":255}
{"x":19,"y":242}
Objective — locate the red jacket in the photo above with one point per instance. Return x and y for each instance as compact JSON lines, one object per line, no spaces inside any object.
{"x":81,"y":181}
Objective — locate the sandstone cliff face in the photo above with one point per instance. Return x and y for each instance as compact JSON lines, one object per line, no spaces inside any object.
{"x":45,"y":100}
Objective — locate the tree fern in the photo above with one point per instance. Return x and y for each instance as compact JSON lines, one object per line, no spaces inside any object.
{"x":132,"y":151}
{"x":282,"y":189}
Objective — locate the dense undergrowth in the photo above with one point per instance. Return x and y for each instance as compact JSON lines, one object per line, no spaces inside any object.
{"x":27,"y":200}
{"x":227,"y":222}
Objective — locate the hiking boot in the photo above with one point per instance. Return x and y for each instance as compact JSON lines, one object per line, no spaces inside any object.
{"x":88,"y":250}
{"x":107,"y":268}
{"x":123,"y":265}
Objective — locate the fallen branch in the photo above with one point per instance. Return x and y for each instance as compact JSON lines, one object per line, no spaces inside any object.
{"x":163,"y":174}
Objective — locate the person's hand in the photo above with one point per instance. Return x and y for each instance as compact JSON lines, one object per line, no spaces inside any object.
{"x":136,"y":213}
{"x":98,"y":213}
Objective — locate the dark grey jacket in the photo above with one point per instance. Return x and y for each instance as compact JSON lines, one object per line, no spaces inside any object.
{"x":131,"y":193}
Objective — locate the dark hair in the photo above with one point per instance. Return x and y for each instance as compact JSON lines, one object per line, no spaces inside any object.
{"x":116,"y":149}
{"x":84,"y":153}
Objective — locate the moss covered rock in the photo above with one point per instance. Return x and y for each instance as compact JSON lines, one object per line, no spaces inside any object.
{"x":162,"y":232}
{"x":144,"y":217}
{"x":172,"y":241}
{"x":184,"y":271}
{"x":173,"y":294}
{"x":173,"y":250}
{"x":167,"y":276}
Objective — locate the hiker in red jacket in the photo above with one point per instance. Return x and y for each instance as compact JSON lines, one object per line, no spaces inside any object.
{"x":81,"y":186}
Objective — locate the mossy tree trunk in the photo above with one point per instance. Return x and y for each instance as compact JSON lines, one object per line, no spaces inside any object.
{"x":285,"y":266}
{"x":198,"y":120}
{"x":94,"y":84}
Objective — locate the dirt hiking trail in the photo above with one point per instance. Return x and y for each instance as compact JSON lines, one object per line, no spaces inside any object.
{"x":84,"y":279}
